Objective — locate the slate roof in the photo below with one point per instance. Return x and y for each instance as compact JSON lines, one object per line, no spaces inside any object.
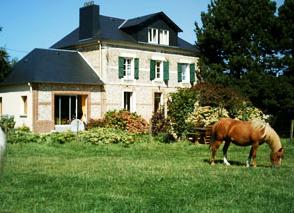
{"x":52,"y":66}
{"x":144,"y":19}
{"x":110,"y":29}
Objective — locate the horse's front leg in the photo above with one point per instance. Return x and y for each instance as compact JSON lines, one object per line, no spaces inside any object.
{"x":214,"y":147}
{"x":225,"y":150}
{"x":252,"y":156}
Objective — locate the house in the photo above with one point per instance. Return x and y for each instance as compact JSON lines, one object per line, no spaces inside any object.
{"x":105,"y":64}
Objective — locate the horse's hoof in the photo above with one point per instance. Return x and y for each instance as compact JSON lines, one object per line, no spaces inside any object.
{"x":212,"y":163}
{"x":227,"y":164}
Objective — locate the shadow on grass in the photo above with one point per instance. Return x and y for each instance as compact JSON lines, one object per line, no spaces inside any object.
{"x":236,"y":163}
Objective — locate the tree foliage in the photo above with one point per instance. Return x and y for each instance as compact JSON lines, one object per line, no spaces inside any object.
{"x":248,"y":45}
{"x":5,"y":66}
{"x":286,"y":42}
{"x":237,"y":36}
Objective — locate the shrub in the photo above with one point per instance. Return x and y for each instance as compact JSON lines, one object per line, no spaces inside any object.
{"x":7,"y":123}
{"x":94,"y":123}
{"x":20,"y":135}
{"x":106,"y":136}
{"x":159,"y":124}
{"x":204,"y":116}
{"x":249,"y":112}
{"x":60,"y":137}
{"x":219,"y":96}
{"x":180,"y":105}
{"x":127,"y":121}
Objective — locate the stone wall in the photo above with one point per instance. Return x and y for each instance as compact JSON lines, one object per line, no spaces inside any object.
{"x":143,"y":89}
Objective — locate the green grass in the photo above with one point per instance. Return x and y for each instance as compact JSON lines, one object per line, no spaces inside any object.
{"x":144,"y":177}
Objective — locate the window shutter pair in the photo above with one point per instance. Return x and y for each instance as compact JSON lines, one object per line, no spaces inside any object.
{"x":192,"y":73}
{"x":165,"y":70}
{"x":121,"y":67}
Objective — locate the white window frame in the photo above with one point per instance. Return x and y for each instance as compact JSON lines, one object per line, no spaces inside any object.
{"x":164,"y":37}
{"x":24,"y":105}
{"x":132,"y":101}
{"x":129,"y":68}
{"x":158,"y":70}
{"x":153,"y":35}
{"x":185,"y":68}
{"x":161,"y":105}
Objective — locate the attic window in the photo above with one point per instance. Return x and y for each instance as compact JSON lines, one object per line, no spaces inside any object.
{"x":153,"y":35}
{"x":164,"y":37}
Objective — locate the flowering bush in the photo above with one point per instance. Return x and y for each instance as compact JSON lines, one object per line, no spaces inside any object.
{"x":204,"y":116}
{"x":126,"y":120}
{"x":250,"y":112}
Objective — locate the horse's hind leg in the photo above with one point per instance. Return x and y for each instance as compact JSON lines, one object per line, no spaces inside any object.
{"x":214,"y":147}
{"x":225,"y":150}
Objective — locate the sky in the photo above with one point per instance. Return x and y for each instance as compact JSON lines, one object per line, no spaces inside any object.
{"x":29,"y":24}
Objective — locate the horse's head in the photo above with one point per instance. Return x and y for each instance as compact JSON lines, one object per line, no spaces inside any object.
{"x":276,"y":157}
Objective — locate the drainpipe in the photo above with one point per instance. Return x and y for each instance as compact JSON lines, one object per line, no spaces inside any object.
{"x":100,"y":58}
{"x":31,"y":111}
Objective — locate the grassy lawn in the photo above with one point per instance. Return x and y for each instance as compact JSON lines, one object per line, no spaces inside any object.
{"x":143,"y":177}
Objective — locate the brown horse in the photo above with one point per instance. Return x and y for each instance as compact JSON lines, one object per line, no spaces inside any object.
{"x":245,"y":133}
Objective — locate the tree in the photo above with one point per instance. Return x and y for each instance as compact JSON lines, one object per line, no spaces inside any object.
{"x":4,"y":63}
{"x":237,"y":37}
{"x":286,"y":47}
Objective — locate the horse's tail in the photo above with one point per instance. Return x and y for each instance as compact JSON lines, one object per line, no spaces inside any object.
{"x":212,"y":135}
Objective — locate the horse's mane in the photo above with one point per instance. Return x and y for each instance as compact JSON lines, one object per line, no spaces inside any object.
{"x":269,"y":136}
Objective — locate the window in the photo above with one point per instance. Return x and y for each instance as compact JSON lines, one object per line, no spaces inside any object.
{"x":68,"y":108}
{"x":128,"y":68}
{"x":157,"y":101}
{"x":164,"y":37}
{"x":24,"y":110}
{"x":158,"y":69}
{"x":128,"y":99}
{"x":185,"y":72}
{"x":153,"y":35}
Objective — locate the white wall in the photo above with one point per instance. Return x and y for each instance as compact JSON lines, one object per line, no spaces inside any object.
{"x":12,"y":103}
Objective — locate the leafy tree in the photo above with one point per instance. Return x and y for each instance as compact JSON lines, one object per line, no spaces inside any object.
{"x":4,"y":62}
{"x":237,"y":37}
{"x":286,"y":21}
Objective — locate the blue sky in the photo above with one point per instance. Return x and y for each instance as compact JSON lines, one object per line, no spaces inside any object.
{"x":29,"y":24}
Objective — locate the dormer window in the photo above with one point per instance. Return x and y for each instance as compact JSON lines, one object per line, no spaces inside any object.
{"x":158,"y":36}
{"x":164,"y":37}
{"x":153,"y":35}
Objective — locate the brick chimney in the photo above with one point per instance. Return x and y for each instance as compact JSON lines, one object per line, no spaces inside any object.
{"x":89,"y":21}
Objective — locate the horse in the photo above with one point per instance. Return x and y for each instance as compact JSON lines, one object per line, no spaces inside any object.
{"x":245,"y":133}
{"x":2,"y":147}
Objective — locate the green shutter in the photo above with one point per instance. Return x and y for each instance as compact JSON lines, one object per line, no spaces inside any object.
{"x":136,"y":68}
{"x":179,"y":72}
{"x":120,"y":67}
{"x":165,"y":70}
{"x":192,"y":73}
{"x":152,"y":70}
